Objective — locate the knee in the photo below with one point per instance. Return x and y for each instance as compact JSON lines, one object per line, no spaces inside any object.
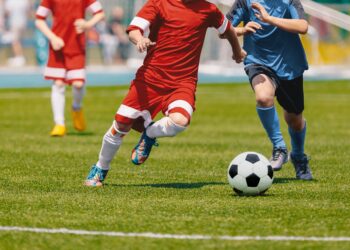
{"x":179,"y":119}
{"x":264,"y":100}
{"x":296,"y":122}
{"x":59,"y":83}
{"x":78,"y":84}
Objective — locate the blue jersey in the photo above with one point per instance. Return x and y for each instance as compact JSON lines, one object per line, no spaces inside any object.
{"x":273,"y":47}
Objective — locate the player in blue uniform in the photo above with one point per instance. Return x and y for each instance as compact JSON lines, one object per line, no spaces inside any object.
{"x":275,"y":65}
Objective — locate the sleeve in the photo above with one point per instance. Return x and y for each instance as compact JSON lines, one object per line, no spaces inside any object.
{"x":219,"y":21}
{"x":93,"y":6}
{"x":44,"y":9}
{"x":237,"y":12}
{"x":145,"y":17}
{"x":296,"y":10}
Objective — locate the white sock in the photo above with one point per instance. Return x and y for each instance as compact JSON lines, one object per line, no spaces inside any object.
{"x":164,"y":127}
{"x":57,"y":103}
{"x":78,"y":94}
{"x":110,"y":145}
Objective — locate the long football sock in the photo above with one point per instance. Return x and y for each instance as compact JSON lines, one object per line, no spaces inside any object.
{"x":58,"y":103}
{"x":78,"y":95}
{"x":110,"y":145}
{"x":270,"y":121}
{"x":164,"y":127}
{"x":297,"y":141}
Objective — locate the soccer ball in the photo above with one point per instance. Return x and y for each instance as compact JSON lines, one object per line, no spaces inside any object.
{"x":250,"y":173}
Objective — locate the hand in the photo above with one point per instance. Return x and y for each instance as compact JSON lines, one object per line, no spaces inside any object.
{"x":143,"y":44}
{"x":80,"y":26}
{"x":251,"y":27}
{"x":240,"y":56}
{"x":57,"y":43}
{"x":262,"y":14}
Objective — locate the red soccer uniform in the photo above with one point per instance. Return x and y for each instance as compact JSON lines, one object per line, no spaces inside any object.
{"x":167,"y":80}
{"x":179,"y":30}
{"x":67,"y":64}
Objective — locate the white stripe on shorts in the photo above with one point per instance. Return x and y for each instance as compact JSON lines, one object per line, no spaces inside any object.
{"x":180,"y":104}
{"x":76,"y":74}
{"x":55,"y":72}
{"x":132,"y":113}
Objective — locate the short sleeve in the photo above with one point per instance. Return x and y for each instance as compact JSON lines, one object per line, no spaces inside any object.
{"x":145,"y":17}
{"x":296,"y":10}
{"x":219,"y":21}
{"x":44,"y":9}
{"x":237,"y":12}
{"x":93,"y":6}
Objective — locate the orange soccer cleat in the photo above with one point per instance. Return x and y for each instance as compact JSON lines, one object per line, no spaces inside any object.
{"x":78,"y":120}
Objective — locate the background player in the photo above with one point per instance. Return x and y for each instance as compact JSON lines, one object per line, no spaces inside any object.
{"x":167,"y":80}
{"x":275,"y":65}
{"x":66,"y":63}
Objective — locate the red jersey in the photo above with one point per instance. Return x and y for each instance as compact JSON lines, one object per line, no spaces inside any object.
{"x":64,"y":13}
{"x":179,"y":29}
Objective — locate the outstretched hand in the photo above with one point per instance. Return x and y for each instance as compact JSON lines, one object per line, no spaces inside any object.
{"x":57,"y":43}
{"x":251,"y":27}
{"x":143,"y":44}
{"x":238,"y":58}
{"x":261,"y":14}
{"x":80,"y":26}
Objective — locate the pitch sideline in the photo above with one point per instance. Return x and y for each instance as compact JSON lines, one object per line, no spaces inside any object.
{"x":168,"y":236}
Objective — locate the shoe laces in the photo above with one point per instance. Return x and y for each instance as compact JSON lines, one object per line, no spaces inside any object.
{"x":143,"y":146}
{"x":276,"y":153}
{"x":303,"y":163}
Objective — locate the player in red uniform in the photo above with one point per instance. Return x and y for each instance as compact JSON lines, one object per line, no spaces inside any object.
{"x":66,"y":63}
{"x":167,"y":80}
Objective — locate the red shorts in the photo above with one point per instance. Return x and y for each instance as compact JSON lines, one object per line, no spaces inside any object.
{"x":145,"y":102}
{"x":65,"y":67}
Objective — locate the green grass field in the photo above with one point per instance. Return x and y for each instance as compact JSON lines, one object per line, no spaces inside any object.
{"x":182,"y":189}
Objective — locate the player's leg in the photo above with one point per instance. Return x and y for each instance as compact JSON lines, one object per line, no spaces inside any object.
{"x":58,"y":105}
{"x":78,"y":91}
{"x":264,"y":84}
{"x":291,"y":97}
{"x":76,"y":77}
{"x":111,"y":142}
{"x":55,"y":70}
{"x":178,"y":107}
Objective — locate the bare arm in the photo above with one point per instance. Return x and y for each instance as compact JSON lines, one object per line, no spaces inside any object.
{"x":238,"y":53}
{"x":56,"y":42}
{"x":299,"y":26}
{"x":249,"y":28}
{"x":141,"y":42}
{"x":81,"y":25}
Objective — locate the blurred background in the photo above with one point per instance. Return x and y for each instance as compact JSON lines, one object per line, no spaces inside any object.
{"x":23,"y":49}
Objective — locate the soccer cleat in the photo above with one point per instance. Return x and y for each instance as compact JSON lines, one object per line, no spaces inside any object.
{"x":78,"y":120}
{"x":58,"y":131}
{"x":96,"y":177}
{"x":278,"y":158}
{"x":302,"y":168}
{"x":142,"y":150}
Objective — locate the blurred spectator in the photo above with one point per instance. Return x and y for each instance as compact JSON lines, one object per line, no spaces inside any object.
{"x":2,"y":18}
{"x":16,"y":11}
{"x":115,"y":42}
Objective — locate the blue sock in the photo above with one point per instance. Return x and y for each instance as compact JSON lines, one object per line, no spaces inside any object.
{"x":297,"y":141}
{"x":270,"y":121}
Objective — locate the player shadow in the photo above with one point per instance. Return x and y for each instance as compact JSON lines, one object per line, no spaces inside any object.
{"x":288,"y":180}
{"x":177,"y":185}
{"x":80,"y":133}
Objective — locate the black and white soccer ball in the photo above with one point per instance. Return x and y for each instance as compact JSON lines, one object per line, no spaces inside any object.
{"x":250,"y":173}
